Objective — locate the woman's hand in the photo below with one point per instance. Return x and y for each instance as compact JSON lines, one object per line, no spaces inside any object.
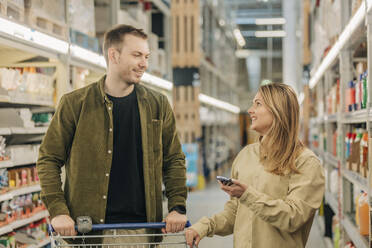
{"x":192,"y":237}
{"x":234,"y":190}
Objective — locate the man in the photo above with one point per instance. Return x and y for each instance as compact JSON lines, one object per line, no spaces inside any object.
{"x":117,"y":140}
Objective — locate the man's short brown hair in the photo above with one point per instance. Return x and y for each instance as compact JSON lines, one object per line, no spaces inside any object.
{"x":115,"y":36}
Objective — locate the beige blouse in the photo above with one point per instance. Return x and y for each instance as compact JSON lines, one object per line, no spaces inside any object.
{"x":275,"y":211}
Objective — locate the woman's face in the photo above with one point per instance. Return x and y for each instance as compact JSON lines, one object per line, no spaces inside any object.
{"x":261,"y":117}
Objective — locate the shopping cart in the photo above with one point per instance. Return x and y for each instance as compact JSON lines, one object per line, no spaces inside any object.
{"x":115,"y":239}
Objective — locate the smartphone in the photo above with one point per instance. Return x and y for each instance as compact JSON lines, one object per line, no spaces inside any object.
{"x":224,"y":180}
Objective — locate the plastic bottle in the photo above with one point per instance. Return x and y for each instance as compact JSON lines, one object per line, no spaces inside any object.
{"x":352,"y":96}
{"x":357,"y":94}
{"x":363,"y":214}
{"x":334,"y":145}
{"x":364,"y":153}
{"x":364,"y":90}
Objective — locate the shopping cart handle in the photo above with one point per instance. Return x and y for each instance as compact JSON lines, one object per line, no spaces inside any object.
{"x":150,"y":225}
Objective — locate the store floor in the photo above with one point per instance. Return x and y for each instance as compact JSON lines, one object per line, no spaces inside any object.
{"x":211,"y":200}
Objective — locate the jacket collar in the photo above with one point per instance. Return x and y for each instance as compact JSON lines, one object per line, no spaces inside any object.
{"x":140,"y":90}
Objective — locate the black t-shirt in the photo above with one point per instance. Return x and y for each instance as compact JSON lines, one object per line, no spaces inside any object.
{"x":126,"y":194}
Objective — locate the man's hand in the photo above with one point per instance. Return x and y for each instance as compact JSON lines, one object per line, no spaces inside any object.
{"x":234,"y":190}
{"x":64,"y":225}
{"x":192,"y":237}
{"x":175,"y":222}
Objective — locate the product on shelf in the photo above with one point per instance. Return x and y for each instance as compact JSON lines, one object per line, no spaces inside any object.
{"x":20,"y":207}
{"x":364,"y":154}
{"x":334,"y":181}
{"x":26,"y":80}
{"x":4,"y":181}
{"x":41,"y":119}
{"x":334,"y":143}
{"x":21,"y":177}
{"x":363,"y":212}
{"x":3,"y":155}
{"x":333,"y":98}
{"x":26,"y":236}
{"x":357,"y":93}
{"x":349,"y":245}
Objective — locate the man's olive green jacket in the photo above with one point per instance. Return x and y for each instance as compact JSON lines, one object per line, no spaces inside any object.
{"x":80,"y":137}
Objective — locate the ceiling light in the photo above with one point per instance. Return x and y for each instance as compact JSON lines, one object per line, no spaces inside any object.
{"x":219,"y":104}
{"x":156,"y":81}
{"x":270,"y":34}
{"x":270,"y":21}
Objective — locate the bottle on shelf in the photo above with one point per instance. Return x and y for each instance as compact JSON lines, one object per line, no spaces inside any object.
{"x":363,"y":214}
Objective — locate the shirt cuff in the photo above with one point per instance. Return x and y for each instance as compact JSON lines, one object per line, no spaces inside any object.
{"x":202,"y":227}
{"x":179,"y":209}
{"x":250,"y":196}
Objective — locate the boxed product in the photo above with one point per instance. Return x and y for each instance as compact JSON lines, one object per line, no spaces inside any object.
{"x":82,"y":18}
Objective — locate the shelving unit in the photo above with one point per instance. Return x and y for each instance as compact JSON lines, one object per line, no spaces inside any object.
{"x":338,"y":64}
{"x":19,"y":223}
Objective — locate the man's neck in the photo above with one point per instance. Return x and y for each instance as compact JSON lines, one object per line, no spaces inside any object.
{"x":116,"y":87}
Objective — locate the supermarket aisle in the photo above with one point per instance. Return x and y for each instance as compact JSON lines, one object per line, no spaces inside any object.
{"x":211,"y":200}
{"x":205,"y":203}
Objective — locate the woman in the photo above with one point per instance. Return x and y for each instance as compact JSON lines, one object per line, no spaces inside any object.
{"x":277,"y":183}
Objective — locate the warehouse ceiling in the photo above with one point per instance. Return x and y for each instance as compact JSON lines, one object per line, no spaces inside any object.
{"x":243,"y":13}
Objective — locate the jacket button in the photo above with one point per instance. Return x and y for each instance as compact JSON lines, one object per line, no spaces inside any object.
{"x":109,"y":151}
{"x":101,"y":220}
{"x":110,"y":129}
{"x":107,"y":174}
{"x":104,"y":197}
{"x":109,"y":108}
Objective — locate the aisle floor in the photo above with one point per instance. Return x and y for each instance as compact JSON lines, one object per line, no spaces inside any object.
{"x":210,"y":201}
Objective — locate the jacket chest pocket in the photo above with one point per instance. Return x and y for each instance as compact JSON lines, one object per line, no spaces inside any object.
{"x":156,"y":134}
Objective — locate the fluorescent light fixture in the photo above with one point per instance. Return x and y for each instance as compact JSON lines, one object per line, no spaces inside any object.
{"x":156,"y":81}
{"x":239,"y":37}
{"x":270,"y":21}
{"x":219,"y":104}
{"x":301,"y":98}
{"x":33,"y":36}
{"x":88,"y":56}
{"x":270,"y":34}
{"x":353,"y":24}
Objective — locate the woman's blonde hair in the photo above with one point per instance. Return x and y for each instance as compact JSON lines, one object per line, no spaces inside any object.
{"x":280,"y":146}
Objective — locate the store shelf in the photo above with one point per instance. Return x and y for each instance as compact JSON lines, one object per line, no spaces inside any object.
{"x":40,"y":244}
{"x":360,"y":116}
{"x":330,"y":159}
{"x":19,"y":223}
{"x":356,"y":179}
{"x":6,"y":101}
{"x":23,"y":130}
{"x":353,"y":233}
{"x":355,"y":22}
{"x":332,"y":202}
{"x":10,"y":163}
{"x":33,"y":130}
{"x":21,"y":191}
{"x":330,"y":118}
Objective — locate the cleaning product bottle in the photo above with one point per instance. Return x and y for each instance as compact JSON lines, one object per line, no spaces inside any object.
{"x":352,"y":96}
{"x":365,"y":90}
{"x":357,"y":208}
{"x":364,"y":154}
{"x":363,"y":214}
